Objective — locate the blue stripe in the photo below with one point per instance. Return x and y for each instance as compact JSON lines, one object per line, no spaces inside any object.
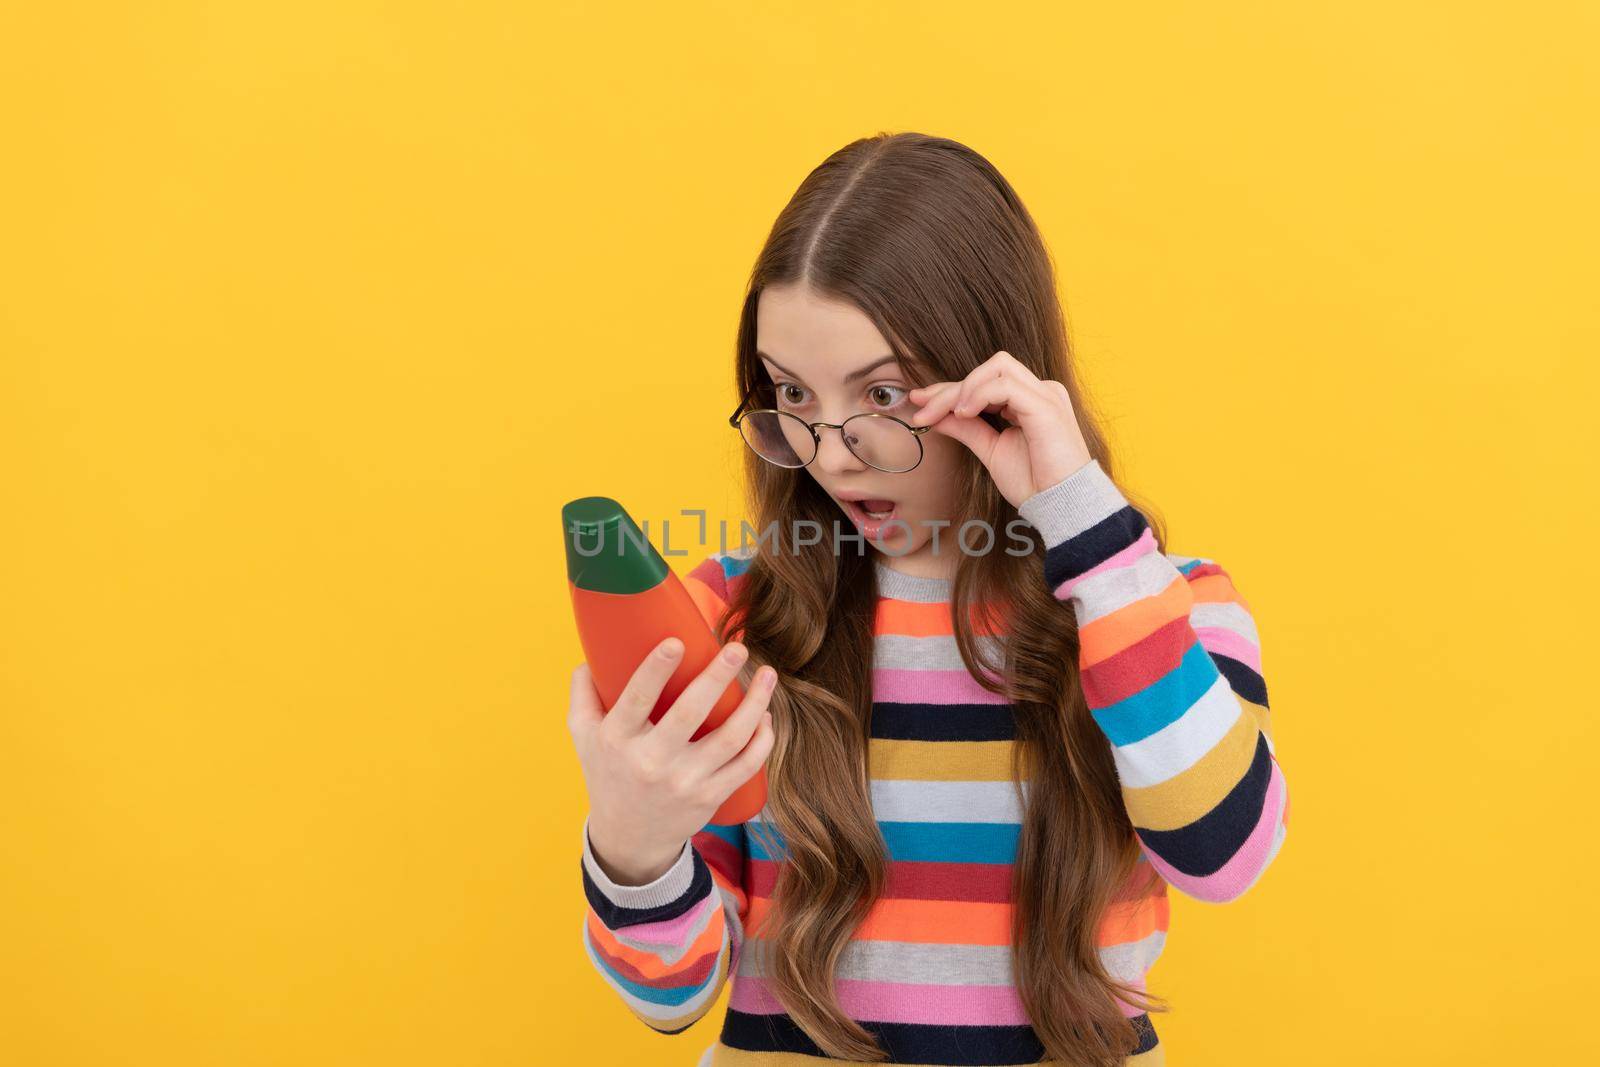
{"x":733,"y":566}
{"x":674,"y":998}
{"x":733,"y":835}
{"x":1161,"y":703}
{"x":757,"y":847}
{"x":951,"y":842}
{"x":924,"y":842}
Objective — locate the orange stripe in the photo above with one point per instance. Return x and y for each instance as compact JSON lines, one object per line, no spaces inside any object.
{"x":1131,"y":623}
{"x":719,"y":977}
{"x":960,"y":922}
{"x":705,"y":598}
{"x":909,"y":619}
{"x":1217,"y":588}
{"x":649,"y":965}
{"x":1133,"y":921}
{"x":724,"y":882}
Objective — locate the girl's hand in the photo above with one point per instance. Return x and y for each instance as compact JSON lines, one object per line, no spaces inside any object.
{"x":1043,"y":445}
{"x":650,"y":787}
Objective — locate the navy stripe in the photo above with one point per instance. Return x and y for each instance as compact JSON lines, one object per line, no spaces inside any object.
{"x":943,"y":722}
{"x":958,"y":1046}
{"x":1243,"y":678}
{"x":615,"y":918}
{"x":1202,"y":847}
{"x":1093,"y":546}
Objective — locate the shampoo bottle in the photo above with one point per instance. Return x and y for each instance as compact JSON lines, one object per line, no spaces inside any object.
{"x":626,"y":601}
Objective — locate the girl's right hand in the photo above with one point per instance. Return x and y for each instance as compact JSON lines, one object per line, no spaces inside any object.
{"x":651,"y":788}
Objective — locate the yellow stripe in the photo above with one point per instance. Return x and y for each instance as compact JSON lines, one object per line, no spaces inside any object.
{"x":1189,"y":794}
{"x":1263,"y":716}
{"x":939,"y":761}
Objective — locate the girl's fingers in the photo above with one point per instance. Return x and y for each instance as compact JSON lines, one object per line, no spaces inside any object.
{"x":941,"y":396}
{"x":998,"y":394}
{"x":681,"y":720}
{"x":1002,"y":367}
{"x":1048,"y":442}
{"x":723,"y":743}
{"x":1030,"y":403}
{"x":584,"y":710}
{"x":632,"y":710}
{"x":974,"y":433}
{"x":742,"y":767}
{"x":980,"y":377}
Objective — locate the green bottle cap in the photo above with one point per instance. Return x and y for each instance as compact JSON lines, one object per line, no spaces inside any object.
{"x":606,"y":552}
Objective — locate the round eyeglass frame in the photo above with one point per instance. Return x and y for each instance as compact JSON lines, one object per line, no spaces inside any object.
{"x":739,"y":414}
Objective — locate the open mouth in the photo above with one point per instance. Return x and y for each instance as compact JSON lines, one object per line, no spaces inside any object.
{"x":871,"y":510}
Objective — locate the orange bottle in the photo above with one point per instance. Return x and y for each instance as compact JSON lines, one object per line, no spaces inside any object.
{"x":626,"y":601}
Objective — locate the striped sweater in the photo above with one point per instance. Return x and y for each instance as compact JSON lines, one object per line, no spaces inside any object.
{"x":1171,"y":669}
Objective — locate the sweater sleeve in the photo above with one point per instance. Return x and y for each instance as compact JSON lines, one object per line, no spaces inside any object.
{"x":1170,"y":662}
{"x":667,"y":948}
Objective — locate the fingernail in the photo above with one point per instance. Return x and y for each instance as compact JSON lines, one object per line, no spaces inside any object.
{"x":733,"y":654}
{"x":768,"y":677}
{"x":670,"y":649}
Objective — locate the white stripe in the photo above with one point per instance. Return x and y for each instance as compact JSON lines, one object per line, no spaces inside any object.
{"x":928,"y":801}
{"x":1101,"y":594}
{"x":1176,"y":747}
{"x":1130,"y":961}
{"x":932,"y":652}
{"x":1225,"y":616}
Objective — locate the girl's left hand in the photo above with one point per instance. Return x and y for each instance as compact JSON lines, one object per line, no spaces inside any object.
{"x":1043,"y":445}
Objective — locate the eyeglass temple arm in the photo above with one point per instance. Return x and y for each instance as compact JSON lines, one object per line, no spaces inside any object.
{"x":733,"y":420}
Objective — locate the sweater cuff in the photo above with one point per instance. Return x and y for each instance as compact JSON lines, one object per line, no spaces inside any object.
{"x":664,"y":890}
{"x":1078,"y":502}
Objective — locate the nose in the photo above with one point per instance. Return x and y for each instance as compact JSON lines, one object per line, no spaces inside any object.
{"x":832,"y":455}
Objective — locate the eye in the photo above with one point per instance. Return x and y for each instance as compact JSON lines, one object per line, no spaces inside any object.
{"x":786,"y":395}
{"x":896,"y":395}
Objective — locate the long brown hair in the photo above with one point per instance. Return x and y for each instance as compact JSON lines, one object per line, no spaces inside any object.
{"x":927,"y":238}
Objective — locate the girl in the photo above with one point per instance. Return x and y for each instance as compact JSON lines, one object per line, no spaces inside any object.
{"x":991,"y":754}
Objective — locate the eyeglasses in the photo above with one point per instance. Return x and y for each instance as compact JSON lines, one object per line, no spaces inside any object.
{"x":783,"y":438}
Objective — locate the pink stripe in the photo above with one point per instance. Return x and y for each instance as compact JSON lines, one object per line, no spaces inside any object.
{"x":1145,"y":544}
{"x":930,"y":687}
{"x":1230,"y":643}
{"x":901,"y":1002}
{"x":1130,"y":1010}
{"x":1249,"y":861}
{"x":671,"y":931}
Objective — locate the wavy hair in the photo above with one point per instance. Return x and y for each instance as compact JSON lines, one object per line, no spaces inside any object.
{"x":931,"y":242}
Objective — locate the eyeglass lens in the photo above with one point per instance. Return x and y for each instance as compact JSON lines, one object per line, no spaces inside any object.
{"x":781,"y":438}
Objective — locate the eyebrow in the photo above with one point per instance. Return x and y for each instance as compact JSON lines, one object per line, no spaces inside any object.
{"x":852,"y":376}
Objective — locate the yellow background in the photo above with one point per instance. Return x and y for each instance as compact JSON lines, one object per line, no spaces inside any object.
{"x":312,"y":315}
